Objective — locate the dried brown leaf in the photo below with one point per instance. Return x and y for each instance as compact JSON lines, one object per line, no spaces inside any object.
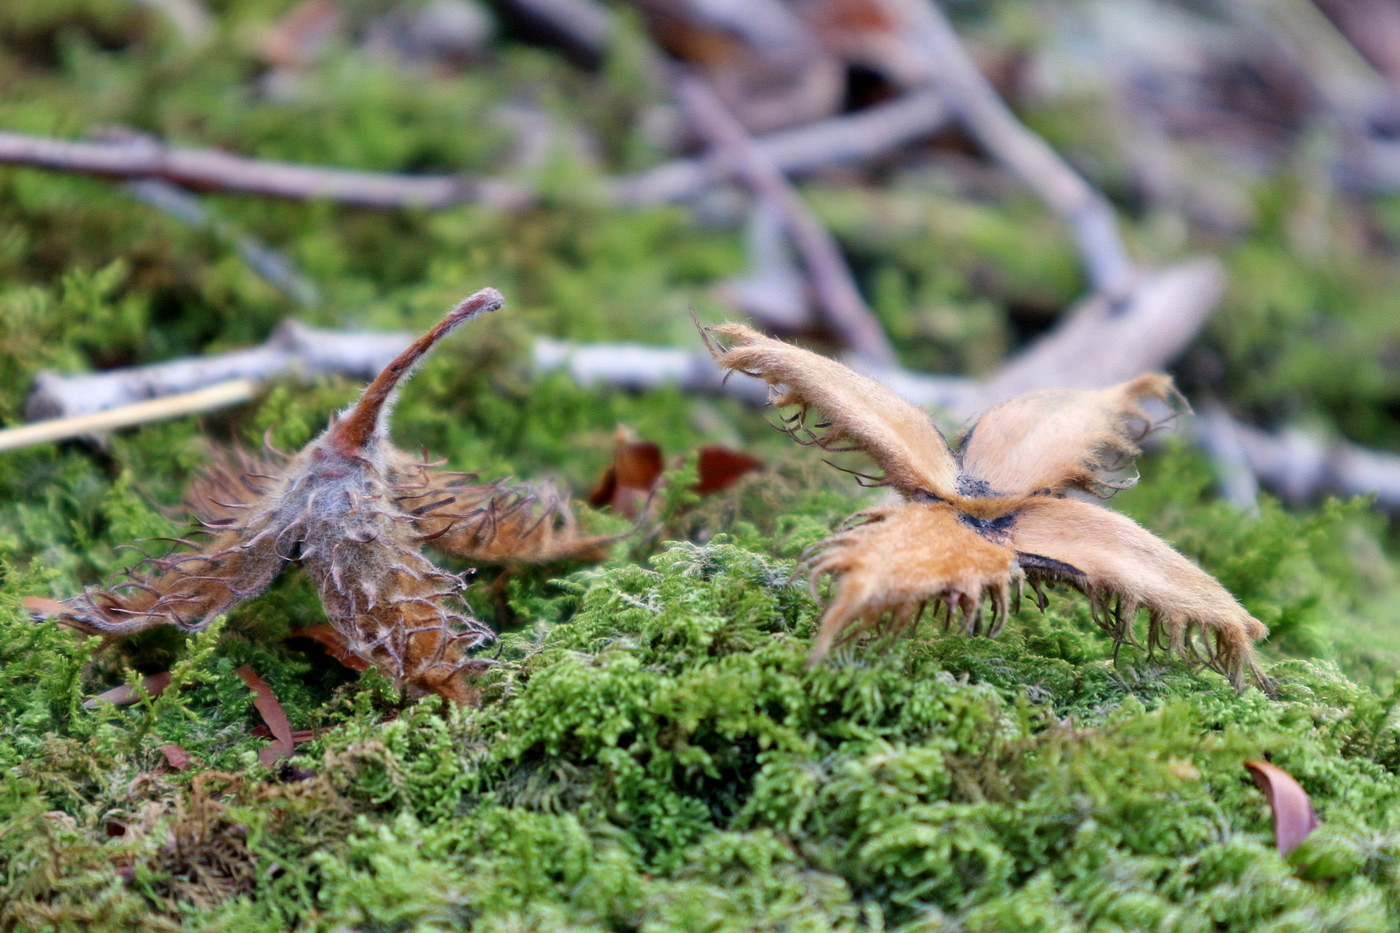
{"x":1294,"y":819}
{"x":720,"y":468}
{"x":175,"y":756}
{"x":635,"y":469}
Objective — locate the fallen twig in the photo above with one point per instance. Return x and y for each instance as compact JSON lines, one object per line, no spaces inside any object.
{"x":210,"y":169}
{"x":293,"y":347}
{"x":1100,"y":342}
{"x":931,"y":47}
{"x":1297,"y":466}
{"x":1301,"y":467}
{"x":1218,"y":436}
{"x":848,"y":139}
{"x":260,"y":257}
{"x":844,"y":309}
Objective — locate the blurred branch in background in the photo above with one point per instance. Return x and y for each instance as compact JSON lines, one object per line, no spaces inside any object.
{"x":928,"y":46}
{"x":212,"y":170}
{"x":836,"y":292}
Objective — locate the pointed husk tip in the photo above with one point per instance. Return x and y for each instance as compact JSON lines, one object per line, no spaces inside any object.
{"x":354,"y":430}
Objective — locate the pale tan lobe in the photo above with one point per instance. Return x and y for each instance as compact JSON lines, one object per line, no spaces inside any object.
{"x":860,"y":412}
{"x":1057,"y":439}
{"x":899,"y":558}
{"x":1116,"y":558}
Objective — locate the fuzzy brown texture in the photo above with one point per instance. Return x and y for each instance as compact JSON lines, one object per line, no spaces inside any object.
{"x":355,"y":512}
{"x":979,"y":523}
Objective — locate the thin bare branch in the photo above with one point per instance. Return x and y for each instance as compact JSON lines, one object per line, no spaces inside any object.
{"x":931,"y":47}
{"x":844,"y":309}
{"x":293,"y":348}
{"x":1100,"y":342}
{"x":210,"y":169}
{"x":1218,"y":436}
{"x":845,"y":140}
{"x":1302,"y":467}
{"x":260,"y":257}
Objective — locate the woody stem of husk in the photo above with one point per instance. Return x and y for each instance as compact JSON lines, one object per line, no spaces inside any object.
{"x":351,"y":433}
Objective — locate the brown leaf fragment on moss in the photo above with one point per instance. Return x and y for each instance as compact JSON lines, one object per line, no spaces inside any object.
{"x":628,"y":481}
{"x":176,"y":757}
{"x":1294,"y":819}
{"x":719,"y":468}
{"x":151,"y":686}
{"x":268,"y":706}
{"x":637,"y":467}
{"x":979,"y":523}
{"x":355,"y":513}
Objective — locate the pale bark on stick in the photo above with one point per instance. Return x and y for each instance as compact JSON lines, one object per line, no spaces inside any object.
{"x":850,"y":139}
{"x":1101,"y":343}
{"x":1297,"y":466}
{"x":842,"y":306}
{"x":1301,"y":467}
{"x":210,"y":169}
{"x":261,"y":258}
{"x":1219,"y":437}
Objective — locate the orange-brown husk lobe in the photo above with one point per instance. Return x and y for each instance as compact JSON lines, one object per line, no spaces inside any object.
{"x":1057,"y":439}
{"x":1120,"y":562}
{"x":899,"y":558}
{"x":857,"y":413}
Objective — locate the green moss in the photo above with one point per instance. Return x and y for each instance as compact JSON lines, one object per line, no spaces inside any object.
{"x":652,"y":752}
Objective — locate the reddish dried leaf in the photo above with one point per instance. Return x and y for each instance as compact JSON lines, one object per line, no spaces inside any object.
{"x":720,"y":468}
{"x":175,"y":756}
{"x":125,"y":695}
{"x":272,"y":713}
{"x":299,"y":736}
{"x":1294,"y":818}
{"x":629,"y":479}
{"x":334,"y":644}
